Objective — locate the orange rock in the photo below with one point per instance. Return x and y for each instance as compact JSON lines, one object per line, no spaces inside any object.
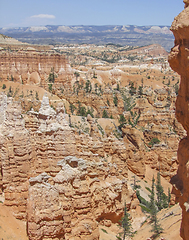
{"x":178,"y":60}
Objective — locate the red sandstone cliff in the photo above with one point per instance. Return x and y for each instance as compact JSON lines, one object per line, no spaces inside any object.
{"x":30,"y":66}
{"x":178,"y":60}
{"x":56,"y":179}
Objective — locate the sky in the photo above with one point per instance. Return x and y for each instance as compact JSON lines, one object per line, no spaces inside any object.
{"x":26,"y":13}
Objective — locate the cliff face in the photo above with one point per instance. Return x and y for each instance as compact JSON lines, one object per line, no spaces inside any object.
{"x":178,"y":60}
{"x":58,"y":180}
{"x":33,"y":67}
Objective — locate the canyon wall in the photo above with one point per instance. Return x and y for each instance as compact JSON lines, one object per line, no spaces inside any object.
{"x":30,"y":66}
{"x":57,"y":179}
{"x":178,"y":60}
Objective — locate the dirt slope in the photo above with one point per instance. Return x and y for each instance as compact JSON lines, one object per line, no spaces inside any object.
{"x":10,"y":227}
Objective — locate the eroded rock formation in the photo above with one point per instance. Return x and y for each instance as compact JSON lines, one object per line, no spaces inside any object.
{"x":35,"y":67}
{"x":178,"y":60}
{"x":59,"y":180}
{"x":82,"y":194}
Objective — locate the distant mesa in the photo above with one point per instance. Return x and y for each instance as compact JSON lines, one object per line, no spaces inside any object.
{"x":90,"y":34}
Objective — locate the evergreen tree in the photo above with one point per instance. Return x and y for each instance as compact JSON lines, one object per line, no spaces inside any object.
{"x":115,"y":100}
{"x":81,"y":110}
{"x":135,"y":185}
{"x":125,"y":224}
{"x":122,"y":121}
{"x":72,"y":108}
{"x":100,"y":89}
{"x":133,"y":119}
{"x":156,"y":228}
{"x":88,"y":86}
{"x":96,"y":88}
{"x":140,"y":91}
{"x":162,"y":199}
{"x":52,"y":76}
{"x":105,"y":114}
{"x":169,"y":196}
{"x":132,"y":89}
{"x":152,"y":199}
{"x":90,"y":111}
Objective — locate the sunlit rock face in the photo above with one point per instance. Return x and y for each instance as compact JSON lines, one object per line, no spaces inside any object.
{"x":35,"y":67}
{"x":29,"y":146}
{"x":70,"y":205}
{"x":57,"y":180}
{"x":179,"y":62}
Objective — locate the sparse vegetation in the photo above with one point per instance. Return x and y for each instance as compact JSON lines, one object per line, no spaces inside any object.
{"x":100,"y":129}
{"x":129,"y":103}
{"x":72,"y":108}
{"x":158,"y":201}
{"x":122,"y":121}
{"x":10,"y":92}
{"x":104,"y":230}
{"x":154,"y":141}
{"x":156,"y":228}
{"x":76,"y":75}
{"x":132,"y":89}
{"x":52,"y":76}
{"x":115,"y":100}
{"x":126,"y":225}
{"x":105,"y":114}
{"x":50,"y":87}
{"x":37,"y":95}
{"x":133,"y":119}
{"x":81,"y":110}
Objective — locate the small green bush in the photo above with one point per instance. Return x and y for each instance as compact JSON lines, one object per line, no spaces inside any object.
{"x":50,"y":87}
{"x":104,"y":230}
{"x":154,"y":141}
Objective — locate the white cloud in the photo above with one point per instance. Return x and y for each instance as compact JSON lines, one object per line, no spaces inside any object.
{"x":43,"y":16}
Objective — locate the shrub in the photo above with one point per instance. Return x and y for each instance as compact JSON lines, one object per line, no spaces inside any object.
{"x":50,"y":87}
{"x":4,"y":86}
{"x":154,"y":141}
{"x":115,"y":101}
{"x":105,"y":114}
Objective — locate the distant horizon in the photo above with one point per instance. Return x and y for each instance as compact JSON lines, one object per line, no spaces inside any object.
{"x":87,"y":25}
{"x":23,"y":13}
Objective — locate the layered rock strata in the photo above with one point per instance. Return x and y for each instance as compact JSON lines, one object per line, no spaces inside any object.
{"x":35,"y":67}
{"x":64,"y":183}
{"x":81,"y":195}
{"x":178,"y":60}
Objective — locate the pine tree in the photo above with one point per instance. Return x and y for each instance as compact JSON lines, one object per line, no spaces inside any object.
{"x":140,"y":91}
{"x":105,"y":114}
{"x":72,"y":108}
{"x":162,"y":199}
{"x":122,"y":121}
{"x":125,"y":224}
{"x":115,"y":101}
{"x":156,"y":228}
{"x":169,"y":196}
{"x":88,"y":86}
{"x":152,"y":200}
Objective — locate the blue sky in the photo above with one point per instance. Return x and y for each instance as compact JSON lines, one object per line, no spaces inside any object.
{"x":23,"y":13}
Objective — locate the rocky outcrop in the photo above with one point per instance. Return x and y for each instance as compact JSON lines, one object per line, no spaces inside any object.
{"x":66,"y":198}
{"x":73,"y":202}
{"x":15,"y":155}
{"x":35,"y":67}
{"x":178,"y":60}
